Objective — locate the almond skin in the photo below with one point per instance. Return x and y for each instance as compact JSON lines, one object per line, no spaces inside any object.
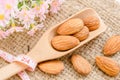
{"x":83,"y":34}
{"x":107,"y":65}
{"x":70,"y":27}
{"x":92,"y":22}
{"x":64,"y":42}
{"x":112,"y":45}
{"x":52,"y":67}
{"x":80,"y":64}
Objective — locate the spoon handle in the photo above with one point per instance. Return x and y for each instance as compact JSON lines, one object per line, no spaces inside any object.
{"x":10,"y":70}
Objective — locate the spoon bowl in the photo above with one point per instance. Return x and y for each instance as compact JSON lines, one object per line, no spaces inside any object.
{"x":43,"y":50}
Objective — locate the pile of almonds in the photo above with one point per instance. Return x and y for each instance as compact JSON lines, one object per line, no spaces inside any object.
{"x":70,"y":34}
{"x":73,"y":31}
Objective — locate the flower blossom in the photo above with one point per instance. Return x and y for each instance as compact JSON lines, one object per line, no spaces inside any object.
{"x":4,"y":18}
{"x":10,"y":6}
{"x":7,"y":10}
{"x":26,"y":17}
{"x":41,"y":9}
{"x":55,"y":5}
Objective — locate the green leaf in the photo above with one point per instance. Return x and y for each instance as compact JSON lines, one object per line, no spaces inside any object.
{"x":30,"y":27}
{"x":39,"y":2}
{"x":20,"y":4}
{"x":0,"y":27}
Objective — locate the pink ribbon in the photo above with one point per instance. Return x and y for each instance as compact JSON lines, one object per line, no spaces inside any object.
{"x":24,"y":59}
{"x":10,"y":58}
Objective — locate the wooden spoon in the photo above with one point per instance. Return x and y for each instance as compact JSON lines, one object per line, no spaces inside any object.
{"x":44,"y":51}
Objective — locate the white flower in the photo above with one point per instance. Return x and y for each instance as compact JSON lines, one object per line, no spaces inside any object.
{"x":4,"y":18}
{"x":55,"y":5}
{"x":41,"y":10}
{"x":10,"y":6}
{"x":26,"y":17}
{"x":7,"y":10}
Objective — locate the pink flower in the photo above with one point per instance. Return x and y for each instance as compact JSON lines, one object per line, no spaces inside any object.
{"x":41,"y":10}
{"x":55,"y":6}
{"x":26,"y":17}
{"x":4,"y":18}
{"x":2,"y":34}
{"x":35,"y":28}
{"x":9,"y":13}
{"x":7,"y":9}
{"x":14,"y":29}
{"x":10,"y":6}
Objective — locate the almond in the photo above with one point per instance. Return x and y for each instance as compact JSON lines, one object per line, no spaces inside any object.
{"x":83,"y":34}
{"x":80,"y":64}
{"x":107,"y":65}
{"x":92,"y":22}
{"x":112,"y":45}
{"x":52,"y":67}
{"x":64,"y":42}
{"x":71,"y":26}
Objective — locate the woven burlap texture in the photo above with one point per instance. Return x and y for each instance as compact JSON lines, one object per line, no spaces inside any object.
{"x":109,"y":11}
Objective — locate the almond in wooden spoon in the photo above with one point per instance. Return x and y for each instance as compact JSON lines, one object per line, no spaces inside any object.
{"x":92,"y":22}
{"x":64,"y":42}
{"x":71,"y":26}
{"x":52,"y":67}
{"x":107,"y":65}
{"x":80,"y":64}
{"x":82,"y":34}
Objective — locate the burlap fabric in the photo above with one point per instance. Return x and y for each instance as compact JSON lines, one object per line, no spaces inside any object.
{"x":109,"y":11}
